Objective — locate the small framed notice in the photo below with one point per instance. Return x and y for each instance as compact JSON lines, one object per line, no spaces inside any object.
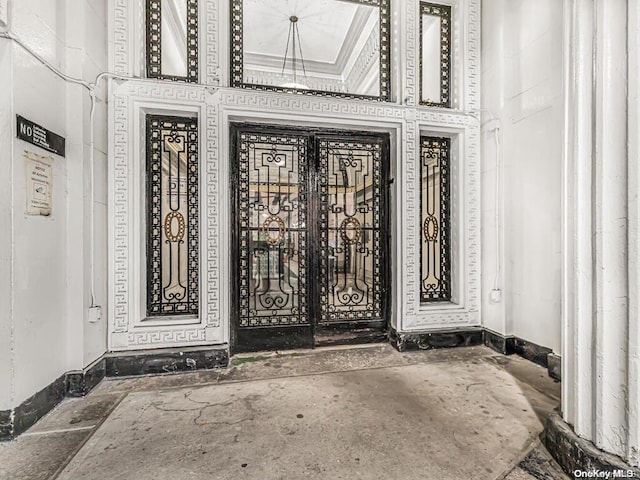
{"x":39,"y":177}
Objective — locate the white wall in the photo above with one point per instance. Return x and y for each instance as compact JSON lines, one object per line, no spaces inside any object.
{"x":522,"y":86}
{"x":6,"y":127}
{"x":50,"y":289}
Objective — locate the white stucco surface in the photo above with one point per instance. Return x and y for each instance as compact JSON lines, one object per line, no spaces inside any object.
{"x":47,"y":259}
{"x":522,"y":88}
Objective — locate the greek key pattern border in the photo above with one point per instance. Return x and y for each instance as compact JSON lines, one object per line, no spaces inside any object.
{"x":211,"y":31}
{"x":412,"y":316}
{"x":212,"y":233}
{"x":120,"y":255}
{"x":169,"y":93}
{"x":121,"y":43}
{"x":158,"y":337}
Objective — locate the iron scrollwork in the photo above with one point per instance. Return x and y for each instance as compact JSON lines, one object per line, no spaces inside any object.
{"x":172,"y":216}
{"x":435,"y":265}
{"x":272,"y":222}
{"x":351,"y":243}
{"x":288,"y":231}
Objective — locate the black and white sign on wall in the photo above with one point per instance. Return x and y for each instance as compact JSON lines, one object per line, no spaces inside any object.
{"x":40,"y":136}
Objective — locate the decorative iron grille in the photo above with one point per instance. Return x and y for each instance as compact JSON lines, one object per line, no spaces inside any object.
{"x":435,"y":266}
{"x":351,"y":247}
{"x":272,"y":196}
{"x":444,"y":12}
{"x":154,"y":30}
{"x":237,"y":55}
{"x":172,"y":216}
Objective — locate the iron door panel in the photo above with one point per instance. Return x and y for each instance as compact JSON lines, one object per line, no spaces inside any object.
{"x":352,"y":237}
{"x":271,"y":239}
{"x":310,"y":237}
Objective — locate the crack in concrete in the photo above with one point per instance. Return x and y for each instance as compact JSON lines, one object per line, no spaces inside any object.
{"x":248,"y":402}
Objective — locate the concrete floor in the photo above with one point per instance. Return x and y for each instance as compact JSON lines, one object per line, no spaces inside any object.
{"x":360,"y":412}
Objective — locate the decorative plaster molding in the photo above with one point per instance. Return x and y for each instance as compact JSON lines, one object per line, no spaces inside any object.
{"x":472,"y":69}
{"x":411,"y":224}
{"x":119,"y":298}
{"x":211,"y":29}
{"x":121,"y":43}
{"x":412,"y":51}
{"x":165,"y":337}
{"x":411,"y":315}
{"x":275,"y":79}
{"x":366,"y":59}
{"x":468,"y":313}
{"x":212,"y":234}
{"x":167,"y":91}
{"x":124,"y":161}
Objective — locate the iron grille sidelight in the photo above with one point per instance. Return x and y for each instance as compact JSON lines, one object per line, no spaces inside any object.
{"x":435,"y":264}
{"x":443,"y":14}
{"x":172,"y":216}
{"x":272,"y":215}
{"x":350,"y":179}
{"x":172,"y":62}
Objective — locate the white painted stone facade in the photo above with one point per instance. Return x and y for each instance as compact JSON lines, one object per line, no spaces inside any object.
{"x":217,"y":105}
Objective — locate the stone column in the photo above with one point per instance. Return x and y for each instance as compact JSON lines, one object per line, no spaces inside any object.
{"x":599,"y":425}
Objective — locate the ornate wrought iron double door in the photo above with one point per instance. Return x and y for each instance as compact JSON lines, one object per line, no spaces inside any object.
{"x":310,"y":239}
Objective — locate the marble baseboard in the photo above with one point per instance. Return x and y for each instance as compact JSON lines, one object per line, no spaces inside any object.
{"x":508,"y":345}
{"x":574,"y":453}
{"x":165,"y":361}
{"x":554,"y":366}
{"x":404,"y":342}
{"x":6,"y":424}
{"x":79,"y":383}
{"x":38,"y":405}
{"x":82,"y":382}
{"x":504,"y":344}
{"x":532,"y":352}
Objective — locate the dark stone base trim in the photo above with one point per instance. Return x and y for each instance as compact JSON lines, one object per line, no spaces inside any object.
{"x":82,"y":382}
{"x":79,"y":383}
{"x":6,"y":424}
{"x":448,"y":338}
{"x":504,"y":344}
{"x":575,"y":453}
{"x":532,"y":352}
{"x":121,"y":364}
{"x":554,"y":366}
{"x":331,"y":338}
{"x":37,"y":406}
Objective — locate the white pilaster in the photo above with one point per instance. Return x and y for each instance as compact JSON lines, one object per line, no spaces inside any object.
{"x":600,"y":336}
{"x":633,"y":102}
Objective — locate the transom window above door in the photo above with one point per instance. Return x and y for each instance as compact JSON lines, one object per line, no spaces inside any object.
{"x":327,"y":47}
{"x":172,"y":40}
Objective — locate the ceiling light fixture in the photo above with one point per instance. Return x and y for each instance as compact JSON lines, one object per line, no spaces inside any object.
{"x":292,"y":37}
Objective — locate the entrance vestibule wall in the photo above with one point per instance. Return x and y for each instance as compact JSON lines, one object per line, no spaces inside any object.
{"x":522,"y":87}
{"x":51,"y":267}
{"x":217,"y":106}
